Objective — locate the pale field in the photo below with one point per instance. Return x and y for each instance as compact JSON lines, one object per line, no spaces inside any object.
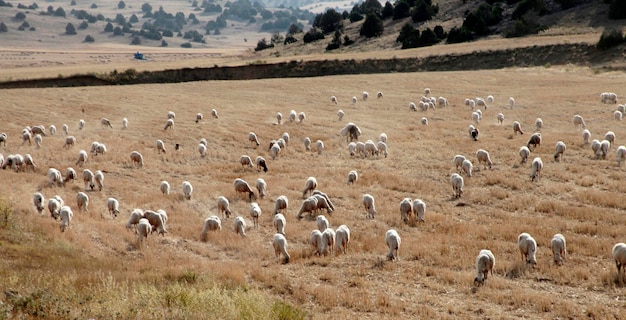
{"x":581,"y":197}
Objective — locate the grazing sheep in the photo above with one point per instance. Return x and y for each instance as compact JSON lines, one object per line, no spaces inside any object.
{"x":204,"y":141}
{"x":392,"y":239}
{"x":52,"y":129}
{"x":66,"y":129}
{"x":559,"y":149}
{"x":328,"y":204}
{"x":89,"y":178}
{"x":261,"y":185}
{"x":619,"y":256}
{"x":245,"y":160}
{"x":352,"y":148}
{"x":340,"y":114}
{"x":54,"y":176}
{"x":322,"y":223}
{"x":328,"y":241}
{"x":165,"y":187}
{"x":241,"y":186}
{"x":70,"y":174}
{"x":38,"y":140}
{"x":260,"y":163}
{"x":476,"y":117}
{"x":54,"y":206}
{"x":81,"y":124}
{"x":292,"y":115}
{"x":351,"y":131}
{"x":365,"y":95}
{"x":610,"y":137}
{"x":113,"y":206}
{"x":3,"y":139}
{"x":106,"y":122}
{"x":617,"y":115}
{"x":99,"y":178}
{"x":70,"y":141}
{"x":457,"y":185}
{"x":517,"y":127}
{"x":379,"y":94}
{"x":442,"y":102}
{"x":307,"y":143}
{"x":223,"y":206}
{"x":144,"y":228}
{"x":275,"y":151}
{"x":370,"y":148}
{"x":485,"y":262}
{"x":280,"y":246}
{"x":27,"y":161}
{"x":481,"y":102}
{"x":524,"y":152}
{"x":285,"y":137}
{"x":202,"y":150}
{"x":323,"y":203}
{"x":316,"y":241}
{"x":604,"y":148}
{"x":38,"y":200}
{"x":66,"y":215}
{"x":342,"y":238}
{"x":214,"y":114}
{"x":500,"y":118}
{"x":424,"y":121}
{"x":301,"y":117}
{"x":160,"y":146}
{"x":490,"y":98}
{"x":527,"y":248}
{"x":281,"y":204}
{"x":511,"y":102}
{"x":419,"y":209}
{"x":187,"y":189}
{"x":320,"y":146}
{"x":136,"y":158}
{"x":426,"y":91}
{"x":253,"y":138}
{"x":608,"y":97}
{"x":212,"y":223}
{"x":353,"y":176}
{"x":124,"y":123}
{"x":595,"y":146}
{"x":559,"y":249}
{"x":369,"y":205}
{"x":255,"y":213}
{"x":406,"y":209}
{"x":535,"y":140}
{"x":156,"y":221}
{"x":539,"y":124}
{"x":333,"y":99}
{"x":473,"y":132}
{"x":171,"y":115}
{"x":578,"y":120}
{"x":279,"y":117}
{"x":100,"y":148}
{"x":279,"y":223}
{"x":82,"y":158}
{"x":586,"y":136}
{"x":621,"y":153}
{"x":621,"y":108}
{"x":309,"y":205}
{"x":458,"y":161}
{"x":169,"y":124}
{"x":537,"y":166}
{"x":199,"y":117}
{"x":467,"y":167}
{"x":412,"y":106}
{"x":309,"y":186}
{"x":484,"y":158}
{"x":240,"y":226}
{"x":82,"y":201}
{"x":133,"y":220}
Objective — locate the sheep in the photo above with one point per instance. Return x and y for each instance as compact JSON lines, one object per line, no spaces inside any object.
{"x":340,"y":115}
{"x":88,"y":178}
{"x":253,"y":138}
{"x":559,"y":248}
{"x":365,"y":95}
{"x":133,"y":220}
{"x":457,"y":185}
{"x":379,"y":94}
{"x":163,"y":215}
{"x":617,"y":115}
{"x":609,"y":136}
{"x":320,"y":146}
{"x":240,"y":226}
{"x":66,"y":129}
{"x":392,"y":239}
{"x":280,"y":246}
{"x":604,"y":148}
{"x":38,"y":200}
{"x":524,"y":152}
{"x":353,"y":176}
{"x":94,"y":145}
{"x":171,"y":115}
{"x":124,"y":123}
{"x":535,"y":140}
{"x":101,"y":148}
{"x":370,"y":206}
{"x":517,"y":127}
{"x":82,"y":201}
{"x":156,"y":221}
{"x":66,"y":215}
{"x":99,"y":178}
{"x":424,"y":121}
{"x":38,"y":141}
{"x":307,"y":143}
{"x":621,"y":153}
{"x":82,"y":158}
{"x":144,"y":228}
{"x":212,"y":223}
{"x":160,"y":145}
{"x":301,"y":117}
{"x":595,"y":146}
{"x":352,"y":148}
{"x":406,"y":209}
{"x":199,"y":117}
{"x":81,"y":124}
{"x":476,"y":117}
{"x":52,"y":129}
{"x":328,"y":241}
{"x":537,"y":167}
{"x":309,"y":186}
{"x":261,"y":163}
{"x":559,"y":149}
{"x":351,"y":131}
{"x":467,"y":166}
{"x":114,"y":207}
{"x":136,"y":158}
{"x":70,"y":141}
{"x":316,"y":241}
{"x":473,"y":132}
{"x":621,"y":108}
{"x":54,"y":176}
{"x":419,"y":209}
{"x":342,"y":238}
{"x":619,"y":256}
{"x":169,"y":124}
{"x":511,"y":102}
{"x":3,"y":139}
{"x":164,"y":187}
{"x":309,"y":205}
{"x":245,"y":160}
{"x":527,"y":248}
{"x":333,"y":99}
{"x":322,"y":223}
{"x":500,"y":118}
{"x":481,"y":102}
{"x":426,"y":91}
{"x":70,"y":174}
{"x":281,"y":204}
{"x":54,"y":206}
{"x":485,"y":262}
{"x":292,"y":115}
{"x":370,"y":148}
{"x":442,"y":102}
{"x":578,"y":120}
{"x":202,"y":150}
{"x":279,"y":223}
{"x":15,"y":161}
{"x":586,"y":136}
{"x":326,"y":203}
{"x":214,"y":114}
{"x":412,"y":106}
{"x":285,"y":137}
{"x":241,"y":186}
{"x":204,"y":141}
{"x":484,"y":158}
{"x":261,"y":185}
{"x":471,"y":103}
{"x":26,"y":137}
{"x":608,"y":97}
{"x":106,"y":122}
{"x":187,"y":189}
{"x":255,"y":213}
{"x":275,"y":151}
{"x":490,"y":98}
{"x":279,"y":117}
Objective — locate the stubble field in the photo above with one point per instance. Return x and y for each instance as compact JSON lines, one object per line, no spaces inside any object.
{"x":178,"y":276}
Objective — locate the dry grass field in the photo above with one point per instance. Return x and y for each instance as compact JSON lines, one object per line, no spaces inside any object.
{"x":96,"y":270}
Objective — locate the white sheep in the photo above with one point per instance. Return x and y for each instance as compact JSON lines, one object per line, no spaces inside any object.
{"x":485,"y":262}
{"x":3,"y":139}
{"x":136,"y":158}
{"x":595,"y":146}
{"x":537,"y":167}
{"x":527,"y":248}
{"x":392,"y":239}
{"x":240,"y":226}
{"x":261,"y":185}
{"x":328,"y":241}
{"x":379,"y":94}
{"x":275,"y":151}
{"x":370,"y":148}
{"x":156,"y":221}
{"x":484,"y":158}
{"x":412,"y":106}
{"x":340,"y":115}
{"x":38,"y":201}
{"x":608,"y":97}
{"x":53,"y":129}
{"x":426,"y":91}
{"x":66,"y":129}
{"x":169,"y":124}
{"x":202,"y":150}
{"x":143,"y":230}
{"x":517,"y":127}
{"x":604,"y":148}
{"x":333,"y":99}
{"x":160,"y":145}
{"x":316,"y":241}
{"x":320,"y":146}
{"x":280,"y":246}
{"x":113,"y":206}
{"x":212,"y":223}
{"x":82,"y":201}
{"x":279,"y":223}
{"x":99,"y":179}
{"x":559,"y":150}
{"x":500,"y":118}
{"x":307,"y":143}
{"x":70,"y":174}
{"x":353,"y":176}
{"x":621,"y":108}
{"x":586,"y":136}
{"x":54,"y":206}
{"x":292,"y":115}
{"x":89,"y":179}
{"x":610,"y":137}
{"x":241,"y":186}
{"x":54,"y":176}
{"x":187,"y":189}
{"x":260,"y":163}
{"x":124,"y":123}
{"x":458,"y":161}
{"x":70,"y":141}
{"x":342,"y":238}
{"x":406,"y":209}
{"x":309,"y":186}
{"x":66,"y":215}
{"x":100,"y":148}
{"x":351,"y":131}
{"x":490,"y":98}
{"x":245,"y":160}
{"x":328,"y":204}
{"x":199,"y":117}
{"x":223,"y":206}
{"x":253,"y":138}
{"x":473,"y":132}
{"x":511,"y":102}
{"x":214,"y":114}
{"x":255,"y":213}
{"x":578,"y":121}
{"x":559,"y":248}
{"x":424,"y":121}
{"x":621,"y":153}
{"x":309,"y":205}
{"x":442,"y":102}
{"x":524,"y":152}
{"x":534,"y":140}
{"x":81,"y":124}
{"x":281,"y":204}
{"x":165,"y":187}
{"x":617,"y":115}
{"x":38,"y":130}
{"x":369,"y":204}
{"x":467,"y":167}
{"x":82,"y":158}
{"x":285,"y":137}
{"x":538,"y":124}
{"x":322,"y":223}
{"x":419,"y":209}
{"x":352,"y":148}
{"x":619,"y":256}
{"x":171,"y":115}
{"x":133,"y":219}
{"x":457,"y":185}
{"x":38,"y":140}
{"x":476,"y":117}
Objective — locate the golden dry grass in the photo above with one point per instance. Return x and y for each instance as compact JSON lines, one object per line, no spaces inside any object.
{"x":579,"y":197}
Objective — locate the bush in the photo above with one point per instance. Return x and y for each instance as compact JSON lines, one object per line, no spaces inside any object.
{"x":20,"y":16}
{"x":94,"y":6}
{"x":617,"y":9}
{"x":121,"y":5}
{"x":262,"y":45}
{"x":401,"y":10}
{"x":312,"y":35}
{"x":329,"y":21}
{"x":372,"y":27}
{"x":525,"y":6}
{"x":610,"y":38}
{"x":458,"y":35}
{"x":59,"y":12}
{"x":89,"y":38}
{"x":135,"y":41}
{"x":387,"y":11}
{"x":409,"y":36}
{"x":108,"y":27}
{"x":83,"y":25}
{"x":289,"y":39}
{"x":185,"y":45}
{"x":355,"y":16}
{"x":3,"y":27}
{"x":529,"y":24}
{"x":164,"y":43}
{"x":69,"y":29}
{"x":133,"y":19}
{"x":117,"y":31}
{"x":423,"y":11}
{"x":336,"y":42}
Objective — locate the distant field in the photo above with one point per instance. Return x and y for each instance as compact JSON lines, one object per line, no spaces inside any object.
{"x":177,"y":276}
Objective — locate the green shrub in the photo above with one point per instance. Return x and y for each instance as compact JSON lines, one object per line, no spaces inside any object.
{"x":312,"y":35}
{"x":372,"y":27}
{"x":529,"y":24}
{"x":610,"y":38}
{"x":185,"y":45}
{"x":262,"y":45}
{"x":89,"y":38}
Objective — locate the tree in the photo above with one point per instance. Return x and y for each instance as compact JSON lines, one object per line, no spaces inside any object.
{"x":108,"y":27}
{"x":355,"y":16}
{"x":372,"y":27}
{"x":387,"y":10}
{"x":146,"y":8}
{"x":83,"y":25}
{"x":164,"y":43}
{"x":20,"y":16}
{"x":89,"y":38}
{"x":69,"y":29}
{"x":121,"y":5}
{"x":73,"y":3}
{"x":94,"y":6}
{"x":136,"y":41}
{"x":3,"y":27}
{"x":293,"y":29}
{"x":401,"y":10}
{"x":59,"y":12}
{"x":118,"y":31}
{"x":133,"y":19}
{"x":262,"y":45}
{"x":409,"y":36}
{"x":371,"y":6}
{"x":422,"y":11}
{"x":329,"y":21}
{"x":336,"y":42}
